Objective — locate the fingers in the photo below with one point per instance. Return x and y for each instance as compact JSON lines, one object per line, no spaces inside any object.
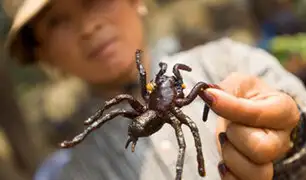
{"x":257,"y":112}
{"x":259,"y":145}
{"x":229,"y":176}
{"x":257,"y":103}
{"x":225,"y":172}
{"x":241,"y":167}
{"x":259,"y":120}
{"x":242,"y":85}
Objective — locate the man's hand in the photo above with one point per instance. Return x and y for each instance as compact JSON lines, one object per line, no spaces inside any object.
{"x":255,"y":126}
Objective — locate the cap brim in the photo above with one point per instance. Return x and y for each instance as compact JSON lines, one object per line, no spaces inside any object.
{"x":27,"y":11}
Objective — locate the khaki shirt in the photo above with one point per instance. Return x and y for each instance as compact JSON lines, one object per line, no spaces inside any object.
{"x":102,"y":155}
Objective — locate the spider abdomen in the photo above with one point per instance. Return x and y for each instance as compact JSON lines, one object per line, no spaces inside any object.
{"x":146,"y":124}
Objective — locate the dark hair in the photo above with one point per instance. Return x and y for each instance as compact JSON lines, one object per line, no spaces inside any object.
{"x":28,"y":42}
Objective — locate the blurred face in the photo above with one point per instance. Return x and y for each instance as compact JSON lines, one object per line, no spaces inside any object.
{"x":93,"y":39}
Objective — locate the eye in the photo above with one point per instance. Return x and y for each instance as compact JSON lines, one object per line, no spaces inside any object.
{"x":57,"y":20}
{"x":98,"y":4}
{"x":53,"y":22}
{"x":89,"y":3}
{"x":183,"y":86}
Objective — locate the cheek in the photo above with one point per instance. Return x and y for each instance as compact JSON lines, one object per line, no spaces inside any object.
{"x":71,"y":61}
{"x":64,"y":54}
{"x":59,"y":53}
{"x":130,"y":25}
{"x":132,"y":28}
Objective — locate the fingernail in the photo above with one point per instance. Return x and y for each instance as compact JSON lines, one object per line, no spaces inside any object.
{"x":208,"y":98}
{"x":222,"y":169}
{"x":222,"y":138}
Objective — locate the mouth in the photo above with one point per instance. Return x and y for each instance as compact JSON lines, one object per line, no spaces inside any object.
{"x":103,"y":49}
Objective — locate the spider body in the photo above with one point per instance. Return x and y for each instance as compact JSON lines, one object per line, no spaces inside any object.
{"x":145,"y":125}
{"x":163,"y":98}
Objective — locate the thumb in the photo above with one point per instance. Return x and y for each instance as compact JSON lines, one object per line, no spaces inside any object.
{"x":263,"y":110}
{"x":223,"y":103}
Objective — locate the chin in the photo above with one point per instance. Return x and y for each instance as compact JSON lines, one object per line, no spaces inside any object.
{"x":119,"y":74}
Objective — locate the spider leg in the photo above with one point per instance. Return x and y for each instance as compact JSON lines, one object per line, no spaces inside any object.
{"x":133,"y":141}
{"x":182,"y":147}
{"x":116,"y":100}
{"x":197,"y":139}
{"x":97,"y":124}
{"x":163,"y":68}
{"x":178,"y":67}
{"x":205,"y":113}
{"x":198,"y":89}
{"x":143,"y":76}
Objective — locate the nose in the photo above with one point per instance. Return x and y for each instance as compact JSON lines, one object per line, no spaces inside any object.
{"x":89,"y":24}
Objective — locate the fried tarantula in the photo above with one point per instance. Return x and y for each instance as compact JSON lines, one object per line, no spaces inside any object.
{"x":163,"y":99}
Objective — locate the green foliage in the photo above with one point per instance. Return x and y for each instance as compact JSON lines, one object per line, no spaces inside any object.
{"x":283,"y":46}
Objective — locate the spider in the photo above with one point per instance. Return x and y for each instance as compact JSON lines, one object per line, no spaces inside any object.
{"x":163,"y":99}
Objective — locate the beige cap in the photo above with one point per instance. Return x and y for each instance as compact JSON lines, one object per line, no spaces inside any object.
{"x":26,"y":12}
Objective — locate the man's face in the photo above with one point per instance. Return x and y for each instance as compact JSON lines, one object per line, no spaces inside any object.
{"x":93,"y":39}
